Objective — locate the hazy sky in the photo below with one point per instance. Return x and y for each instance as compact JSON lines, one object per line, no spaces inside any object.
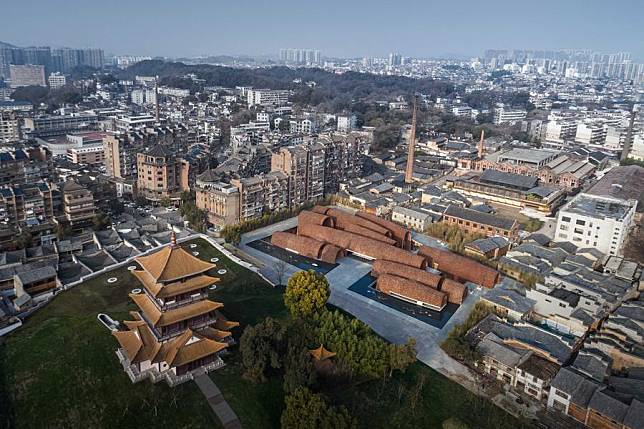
{"x":338,"y":28}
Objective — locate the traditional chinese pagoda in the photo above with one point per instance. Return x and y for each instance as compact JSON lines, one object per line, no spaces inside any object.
{"x":177,"y":328}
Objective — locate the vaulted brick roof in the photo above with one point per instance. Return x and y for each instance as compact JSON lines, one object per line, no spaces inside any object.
{"x":460,"y":267}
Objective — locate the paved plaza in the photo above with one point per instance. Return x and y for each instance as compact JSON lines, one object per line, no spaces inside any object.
{"x":391,"y":324}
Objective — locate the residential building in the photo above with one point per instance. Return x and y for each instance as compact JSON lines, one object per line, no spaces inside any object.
{"x":597,"y":221}
{"x":78,"y":204}
{"x":411,"y":218}
{"x":27,"y":75}
{"x":25,"y":165}
{"x":267,"y":97}
{"x":9,"y":127}
{"x":56,"y":80}
{"x":59,"y":125}
{"x":304,"y":166}
{"x":346,"y":123}
{"x":261,"y":194}
{"x":593,"y":403}
{"x":161,"y":174}
{"x":504,"y":115}
{"x":27,"y":203}
{"x":88,"y":155}
{"x":220,"y":200}
{"x":591,"y":134}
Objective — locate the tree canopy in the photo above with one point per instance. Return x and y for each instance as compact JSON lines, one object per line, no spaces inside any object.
{"x":305,"y":410}
{"x":306,"y":293}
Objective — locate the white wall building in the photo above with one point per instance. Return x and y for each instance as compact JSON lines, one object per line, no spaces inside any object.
{"x":503,"y":115}
{"x":267,"y":97}
{"x":56,"y":80}
{"x":346,"y":123}
{"x":596,"y":221}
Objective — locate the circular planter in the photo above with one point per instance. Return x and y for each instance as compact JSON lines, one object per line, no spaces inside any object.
{"x":222,"y":271}
{"x":112,"y":280}
{"x":195,"y":253}
{"x":214,"y":259}
{"x":136,"y":291}
{"x":131,"y":268}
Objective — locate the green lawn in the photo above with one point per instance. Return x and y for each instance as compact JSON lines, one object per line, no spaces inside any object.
{"x":60,"y":370}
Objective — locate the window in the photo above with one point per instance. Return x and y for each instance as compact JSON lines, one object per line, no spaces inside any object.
{"x":564,"y":227}
{"x":564,"y":236}
{"x":565,"y":219}
{"x":580,"y":222}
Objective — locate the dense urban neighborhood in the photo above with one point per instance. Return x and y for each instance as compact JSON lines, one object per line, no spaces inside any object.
{"x":306,"y":241}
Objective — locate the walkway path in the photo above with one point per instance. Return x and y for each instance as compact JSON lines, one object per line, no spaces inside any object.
{"x":217,"y":402}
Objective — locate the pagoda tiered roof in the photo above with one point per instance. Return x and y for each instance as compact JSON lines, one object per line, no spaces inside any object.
{"x":160,"y":318}
{"x":172,"y":263}
{"x":167,"y":290}
{"x":223,"y":325}
{"x":321,"y":354}
{"x":140,"y":345}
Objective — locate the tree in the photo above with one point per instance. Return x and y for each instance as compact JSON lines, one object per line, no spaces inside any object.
{"x":63,"y":231}
{"x":280,"y":271}
{"x":298,"y":367}
{"x":165,"y":202}
{"x":305,"y":410}
{"x":23,"y":240}
{"x":100,"y":221}
{"x":261,"y":347}
{"x":454,"y":423}
{"x":306,"y":293}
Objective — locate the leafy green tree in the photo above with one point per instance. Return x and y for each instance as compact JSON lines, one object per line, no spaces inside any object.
{"x":298,"y":368}
{"x":306,"y":410}
{"x":306,"y":293}
{"x":262,"y":347}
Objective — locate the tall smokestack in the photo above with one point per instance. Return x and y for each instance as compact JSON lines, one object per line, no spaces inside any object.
{"x":629,"y":136}
{"x":480,"y":145}
{"x":409,"y":171}
{"x":156,"y":96}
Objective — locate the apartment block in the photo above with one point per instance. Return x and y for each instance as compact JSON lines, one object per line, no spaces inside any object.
{"x":261,"y":194}
{"x":161,"y":174}
{"x":267,"y":97}
{"x":304,"y":166}
{"x":220,"y":200}
{"x":78,"y":204}
{"x":27,"y":75}
{"x":9,"y":127}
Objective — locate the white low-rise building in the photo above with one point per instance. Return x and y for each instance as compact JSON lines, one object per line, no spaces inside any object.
{"x":596,"y":221}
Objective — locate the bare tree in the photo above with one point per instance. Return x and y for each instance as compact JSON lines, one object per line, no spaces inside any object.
{"x":280,"y":271}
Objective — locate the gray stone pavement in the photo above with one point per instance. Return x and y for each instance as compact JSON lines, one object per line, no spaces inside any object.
{"x":217,"y":402}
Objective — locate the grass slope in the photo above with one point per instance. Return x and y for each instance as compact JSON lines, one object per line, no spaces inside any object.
{"x":60,"y":370}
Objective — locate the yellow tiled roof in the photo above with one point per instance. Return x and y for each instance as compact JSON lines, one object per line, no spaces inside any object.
{"x":167,"y":290}
{"x":321,"y":353}
{"x":169,"y":317}
{"x":172,"y":263}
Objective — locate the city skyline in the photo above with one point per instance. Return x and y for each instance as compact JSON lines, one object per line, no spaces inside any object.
{"x":414,"y":30}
